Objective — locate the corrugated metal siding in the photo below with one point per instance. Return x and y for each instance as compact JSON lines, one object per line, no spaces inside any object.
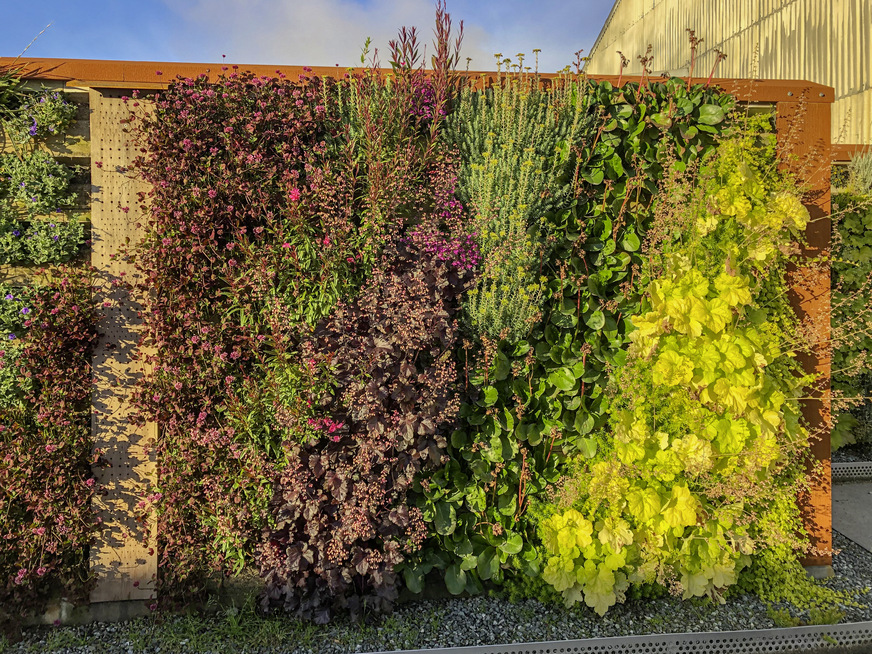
{"x":824,"y":41}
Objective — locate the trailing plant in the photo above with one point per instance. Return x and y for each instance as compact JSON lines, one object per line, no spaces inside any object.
{"x":41,"y":114}
{"x":36,"y":183}
{"x":696,"y":478}
{"x":46,"y":453}
{"x":52,"y":242}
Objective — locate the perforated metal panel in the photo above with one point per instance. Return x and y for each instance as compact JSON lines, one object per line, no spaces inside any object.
{"x":124,"y":567}
{"x":852,"y":470}
{"x":855,"y":637}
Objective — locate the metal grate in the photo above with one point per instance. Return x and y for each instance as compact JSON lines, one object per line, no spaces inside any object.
{"x":855,"y":637}
{"x":853,"y":470}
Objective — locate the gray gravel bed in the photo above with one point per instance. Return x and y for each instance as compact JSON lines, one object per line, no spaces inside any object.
{"x":853,"y":453}
{"x":439,"y":623}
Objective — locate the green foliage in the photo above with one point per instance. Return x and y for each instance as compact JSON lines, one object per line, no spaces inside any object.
{"x":535,"y":402}
{"x":860,"y":173}
{"x":15,"y":311}
{"x":852,"y":318}
{"x":41,"y":114}
{"x":515,"y":141}
{"x":705,"y":409}
{"x":783,"y":618}
{"x":36,"y":183}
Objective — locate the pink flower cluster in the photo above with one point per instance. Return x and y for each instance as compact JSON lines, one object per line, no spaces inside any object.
{"x":462,"y":252}
{"x":328,"y":426}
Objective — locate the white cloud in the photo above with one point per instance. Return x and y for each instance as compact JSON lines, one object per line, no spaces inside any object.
{"x":300,"y":32}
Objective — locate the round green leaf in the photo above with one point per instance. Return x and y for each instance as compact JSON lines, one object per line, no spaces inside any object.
{"x":455,"y":579}
{"x":445,"y":518}
{"x":587,"y":446}
{"x":562,"y":378}
{"x":489,"y":396}
{"x":488,"y":563}
{"x":631,"y":242}
{"x":710,"y":114}
{"x":596,"y":320}
{"x":414,"y":580}
{"x":513,"y":544}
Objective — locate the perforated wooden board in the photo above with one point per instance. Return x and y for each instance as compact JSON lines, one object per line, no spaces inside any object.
{"x":125,"y":567}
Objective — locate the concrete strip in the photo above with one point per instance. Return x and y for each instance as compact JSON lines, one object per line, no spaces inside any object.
{"x":852,"y":503}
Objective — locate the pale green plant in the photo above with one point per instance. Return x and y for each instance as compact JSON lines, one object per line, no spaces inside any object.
{"x":860,"y":173}
{"x":516,"y":141}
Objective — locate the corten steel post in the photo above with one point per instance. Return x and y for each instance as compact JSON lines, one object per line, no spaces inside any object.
{"x":804,"y":132}
{"x":803,"y":110}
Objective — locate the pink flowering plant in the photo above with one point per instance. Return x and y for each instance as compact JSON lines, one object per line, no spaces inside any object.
{"x":46,"y":457}
{"x":303,"y":259}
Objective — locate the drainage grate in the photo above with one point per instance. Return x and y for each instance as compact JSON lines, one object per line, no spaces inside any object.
{"x":852,"y":471}
{"x":854,"y":637}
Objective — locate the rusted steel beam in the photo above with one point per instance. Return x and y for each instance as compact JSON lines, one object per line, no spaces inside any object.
{"x":804,"y":141}
{"x":842,"y":152}
{"x":144,"y":74}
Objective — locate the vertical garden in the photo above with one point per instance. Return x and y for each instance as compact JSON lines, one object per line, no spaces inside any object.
{"x":415,"y":329}
{"x":48,"y":332}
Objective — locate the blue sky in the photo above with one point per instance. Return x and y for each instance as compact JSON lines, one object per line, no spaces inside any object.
{"x":296,"y":32}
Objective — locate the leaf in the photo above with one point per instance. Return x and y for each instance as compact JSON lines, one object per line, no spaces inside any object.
{"x":631,"y":242}
{"x":587,"y":447}
{"x":593,"y":176}
{"x":513,"y":544}
{"x":503,"y":367}
{"x":596,"y":320}
{"x":695,"y":585}
{"x":414,"y":580}
{"x":488,"y":563}
{"x":445,"y":518}
{"x":710,"y":114}
{"x":643,"y":503}
{"x":562,"y":378}
{"x":455,"y":579}
{"x":489,"y":396}
{"x":680,"y":511}
{"x":584,"y":422}
{"x":616,"y":533}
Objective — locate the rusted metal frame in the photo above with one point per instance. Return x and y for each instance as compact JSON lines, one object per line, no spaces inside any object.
{"x":144,"y":74}
{"x":803,"y":127}
{"x":842,"y":152}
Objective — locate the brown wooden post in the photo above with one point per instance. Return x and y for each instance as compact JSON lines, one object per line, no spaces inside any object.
{"x":803,"y":127}
{"x":124,"y":566}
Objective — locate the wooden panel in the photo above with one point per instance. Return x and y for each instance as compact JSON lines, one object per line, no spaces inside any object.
{"x":804,"y":131}
{"x":125,"y":568}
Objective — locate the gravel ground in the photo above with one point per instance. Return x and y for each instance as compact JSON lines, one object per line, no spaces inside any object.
{"x":436,"y":623}
{"x":853,"y":453}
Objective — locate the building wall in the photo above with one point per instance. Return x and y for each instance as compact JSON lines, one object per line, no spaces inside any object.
{"x":823,"y":41}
